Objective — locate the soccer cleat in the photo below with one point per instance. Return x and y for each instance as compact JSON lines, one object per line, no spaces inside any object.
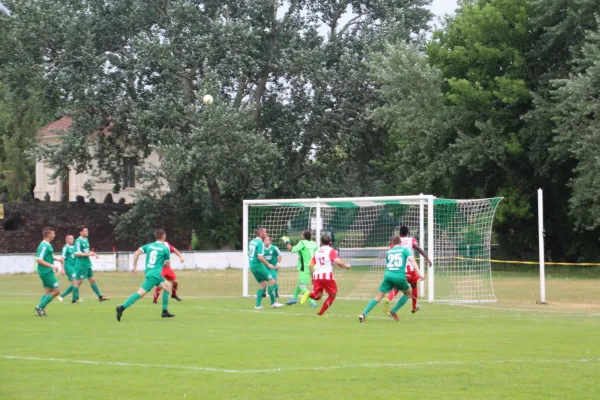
{"x":314,"y":305}
{"x":361,"y":318}
{"x":386,"y":305}
{"x":176,"y":297}
{"x":416,"y":309}
{"x":39,"y":312}
{"x":258,"y":307}
{"x":75,"y":302}
{"x":103,"y":298}
{"x":394,"y":315}
{"x":120,"y":310}
{"x":291,"y":302}
{"x":276,"y":305}
{"x":155,"y":302}
{"x":304,"y":297}
{"x":167,"y":314}
{"x":60,"y":298}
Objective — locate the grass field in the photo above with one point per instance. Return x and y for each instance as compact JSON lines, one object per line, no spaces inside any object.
{"x":218,"y":347}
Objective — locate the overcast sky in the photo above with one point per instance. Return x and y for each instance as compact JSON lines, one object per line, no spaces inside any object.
{"x":442,"y":7}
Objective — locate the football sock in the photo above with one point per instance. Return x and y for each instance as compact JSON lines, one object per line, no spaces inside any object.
{"x":75,"y":293}
{"x":401,"y":301}
{"x":415,"y":296}
{"x":96,"y":290}
{"x":42,"y":298}
{"x":272,"y":294}
{"x":392,"y":294}
{"x":259,"y":295}
{"x":165,"y":300}
{"x":296,"y":292}
{"x":369,"y":307}
{"x":47,"y":299}
{"x":67,"y":291}
{"x":276,"y":289}
{"x":326,"y":305}
{"x":156,"y":294}
{"x":174,"y":291}
{"x":132,"y":299}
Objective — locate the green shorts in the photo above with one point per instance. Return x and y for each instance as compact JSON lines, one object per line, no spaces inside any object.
{"x":70,"y":273}
{"x":49,"y":280}
{"x":391,"y":282}
{"x":83,"y":272}
{"x":151,"y":282}
{"x":262,"y":274}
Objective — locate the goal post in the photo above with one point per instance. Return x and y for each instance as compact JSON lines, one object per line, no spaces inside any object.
{"x":455,"y":234}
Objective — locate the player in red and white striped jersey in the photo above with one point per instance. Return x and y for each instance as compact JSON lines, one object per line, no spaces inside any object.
{"x":169,"y":274}
{"x":321,"y":267}
{"x":412,"y":277}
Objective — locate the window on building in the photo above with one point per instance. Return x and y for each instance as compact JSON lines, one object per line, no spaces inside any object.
{"x":128,"y":173}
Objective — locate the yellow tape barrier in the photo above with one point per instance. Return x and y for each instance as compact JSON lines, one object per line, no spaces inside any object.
{"x":531,"y":262}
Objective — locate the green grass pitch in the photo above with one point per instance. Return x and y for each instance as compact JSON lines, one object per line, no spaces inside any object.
{"x":218,"y":347}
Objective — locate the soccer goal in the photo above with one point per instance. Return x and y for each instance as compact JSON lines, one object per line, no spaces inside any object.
{"x":455,"y":234}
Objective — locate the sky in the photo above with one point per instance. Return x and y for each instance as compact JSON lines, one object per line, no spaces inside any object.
{"x":442,"y":7}
{"x":4,"y":9}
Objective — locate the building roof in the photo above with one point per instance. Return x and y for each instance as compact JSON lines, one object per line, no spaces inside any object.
{"x":56,"y":128}
{"x":62,"y":125}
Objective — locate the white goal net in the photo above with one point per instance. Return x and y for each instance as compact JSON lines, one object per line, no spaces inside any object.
{"x":455,"y":234}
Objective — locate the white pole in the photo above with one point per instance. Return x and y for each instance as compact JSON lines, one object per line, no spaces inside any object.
{"x":318,"y":228}
{"x":245,"y":241}
{"x":541,"y":245}
{"x":422,"y":243}
{"x":430,"y":253}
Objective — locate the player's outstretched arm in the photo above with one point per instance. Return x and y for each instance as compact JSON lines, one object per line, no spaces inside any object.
{"x":136,"y":257}
{"x":414,"y":264}
{"x":341,"y":264}
{"x":178,"y":254}
{"x":422,"y":253}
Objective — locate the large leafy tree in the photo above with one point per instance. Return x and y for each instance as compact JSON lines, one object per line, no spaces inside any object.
{"x":290,"y":100}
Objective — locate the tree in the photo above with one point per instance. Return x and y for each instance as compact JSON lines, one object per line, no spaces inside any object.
{"x":290,"y":104}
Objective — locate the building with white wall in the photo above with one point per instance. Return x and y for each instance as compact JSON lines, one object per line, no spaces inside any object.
{"x":73,"y":186}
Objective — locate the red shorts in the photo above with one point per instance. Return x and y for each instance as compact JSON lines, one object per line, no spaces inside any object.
{"x":412,"y":279}
{"x":327,"y":285}
{"x":168,"y":274}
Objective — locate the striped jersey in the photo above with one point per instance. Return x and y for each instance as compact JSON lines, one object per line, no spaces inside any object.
{"x":324,"y":259}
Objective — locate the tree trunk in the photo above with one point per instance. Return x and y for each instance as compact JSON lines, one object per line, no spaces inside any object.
{"x":215,"y":193}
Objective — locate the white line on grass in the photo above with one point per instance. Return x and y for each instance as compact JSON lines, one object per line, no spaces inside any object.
{"x":323,"y":368}
{"x":521,"y":309}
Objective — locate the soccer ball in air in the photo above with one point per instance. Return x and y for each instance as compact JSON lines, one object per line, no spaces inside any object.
{"x":208,"y":99}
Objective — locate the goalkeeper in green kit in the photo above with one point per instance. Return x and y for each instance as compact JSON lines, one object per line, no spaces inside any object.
{"x":305,"y":249}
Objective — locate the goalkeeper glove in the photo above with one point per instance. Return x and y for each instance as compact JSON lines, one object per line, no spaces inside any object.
{"x":285,"y":239}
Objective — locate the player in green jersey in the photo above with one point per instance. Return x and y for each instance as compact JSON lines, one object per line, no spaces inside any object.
{"x":45,"y":268}
{"x":68,"y":260}
{"x":305,"y":249}
{"x":261,"y":269}
{"x":273,"y":256}
{"x":394,"y":278}
{"x":83,"y":265}
{"x":158,"y":256}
